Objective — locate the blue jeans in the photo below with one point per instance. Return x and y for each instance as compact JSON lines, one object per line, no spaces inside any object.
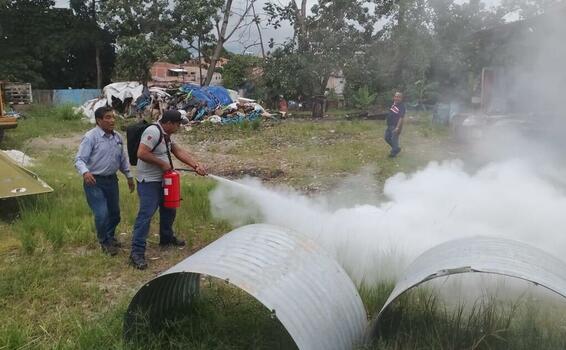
{"x":103,"y":198}
{"x":392,"y":138}
{"x":151,"y":197}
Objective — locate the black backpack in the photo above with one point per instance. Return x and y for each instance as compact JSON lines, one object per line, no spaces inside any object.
{"x":133,"y":136}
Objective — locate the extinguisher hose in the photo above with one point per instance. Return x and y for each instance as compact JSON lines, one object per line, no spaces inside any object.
{"x":186,"y":169}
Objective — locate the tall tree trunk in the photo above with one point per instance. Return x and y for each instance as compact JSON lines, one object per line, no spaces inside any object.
{"x":219,"y":44}
{"x":96,"y":48}
{"x":213,"y":60}
{"x":403,"y":49}
{"x":98,"y":68}
{"x":259,"y":32}
{"x":199,"y":62}
{"x":301,"y":25}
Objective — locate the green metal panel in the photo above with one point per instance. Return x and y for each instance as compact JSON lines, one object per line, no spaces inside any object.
{"x":16,"y":181}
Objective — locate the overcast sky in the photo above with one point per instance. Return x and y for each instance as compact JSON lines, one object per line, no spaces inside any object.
{"x":65,"y":3}
{"x":278,"y":35}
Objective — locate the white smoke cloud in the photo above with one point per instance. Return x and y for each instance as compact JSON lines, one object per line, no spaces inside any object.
{"x":510,"y":199}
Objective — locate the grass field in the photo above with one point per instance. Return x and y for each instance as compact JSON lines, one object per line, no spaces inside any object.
{"x":58,"y":291}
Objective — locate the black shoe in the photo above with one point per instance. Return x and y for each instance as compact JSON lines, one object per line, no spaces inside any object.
{"x":116,"y":243}
{"x":394,"y":154}
{"x":138,"y":261}
{"x":109,"y":249}
{"x":174,"y":242}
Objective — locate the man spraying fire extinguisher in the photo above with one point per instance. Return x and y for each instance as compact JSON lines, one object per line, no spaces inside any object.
{"x":156,"y":179}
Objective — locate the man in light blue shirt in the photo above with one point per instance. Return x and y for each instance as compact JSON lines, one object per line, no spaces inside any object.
{"x":101,"y":154}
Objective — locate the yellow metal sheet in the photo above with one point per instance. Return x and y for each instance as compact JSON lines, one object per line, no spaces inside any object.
{"x":16,"y":181}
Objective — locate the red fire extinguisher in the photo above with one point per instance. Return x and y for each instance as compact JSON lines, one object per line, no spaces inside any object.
{"x":171,"y":189}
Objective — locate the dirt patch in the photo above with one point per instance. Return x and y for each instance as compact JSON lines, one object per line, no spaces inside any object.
{"x":46,"y":144}
{"x":262,"y":173}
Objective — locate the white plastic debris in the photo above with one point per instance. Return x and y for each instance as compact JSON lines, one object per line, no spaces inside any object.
{"x":19,"y":157}
{"x":88,"y":108}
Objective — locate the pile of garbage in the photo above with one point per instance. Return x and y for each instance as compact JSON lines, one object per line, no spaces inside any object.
{"x":216,"y":104}
{"x":213,"y":104}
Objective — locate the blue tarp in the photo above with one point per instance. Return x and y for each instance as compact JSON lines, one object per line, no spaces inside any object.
{"x":214,"y":96}
{"x":74,"y":96}
{"x":220,"y":93}
{"x":242,"y":118}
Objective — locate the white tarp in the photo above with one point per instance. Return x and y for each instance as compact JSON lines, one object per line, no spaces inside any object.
{"x":88,"y":108}
{"x":158,"y":91}
{"x":121,"y":91}
{"x":233,"y":94}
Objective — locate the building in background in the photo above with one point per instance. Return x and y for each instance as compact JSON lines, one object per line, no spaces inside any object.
{"x":167,"y":74}
{"x":336,"y":83}
{"x":335,"y":90}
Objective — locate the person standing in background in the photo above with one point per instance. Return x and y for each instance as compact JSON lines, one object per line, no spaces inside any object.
{"x":395,"y":119}
{"x":282,"y":106}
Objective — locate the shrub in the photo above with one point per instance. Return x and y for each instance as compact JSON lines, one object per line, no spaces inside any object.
{"x":362,"y":97}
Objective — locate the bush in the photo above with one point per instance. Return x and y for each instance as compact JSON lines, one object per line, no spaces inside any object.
{"x":66,"y":112}
{"x":362,"y":98}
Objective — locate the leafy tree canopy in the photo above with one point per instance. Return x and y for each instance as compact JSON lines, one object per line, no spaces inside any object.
{"x":48,"y":47}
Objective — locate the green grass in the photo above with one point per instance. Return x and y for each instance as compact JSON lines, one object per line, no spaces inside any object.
{"x":222,"y":317}
{"x":58,"y":291}
{"x":61,"y":218}
{"x":328,"y":150}
{"x":420,"y":320}
{"x":43,"y":120}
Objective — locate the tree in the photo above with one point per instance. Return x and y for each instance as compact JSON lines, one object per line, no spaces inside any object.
{"x":194,"y":21}
{"x":283,"y":73}
{"x":295,"y":15}
{"x":45,"y":46}
{"x":239,"y":70}
{"x":135,"y":58}
{"x":128,"y":18}
{"x":223,"y":34}
{"x":87,"y":12}
{"x":334,"y":32}
{"x":421,"y":49}
{"x":529,"y":8}
{"x":454,"y":28}
{"x":145,"y":31}
{"x":21,"y":57}
{"x":325,"y":40}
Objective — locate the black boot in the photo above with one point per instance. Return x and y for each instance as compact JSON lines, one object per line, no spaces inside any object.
{"x":109,"y":249}
{"x":173,"y":242}
{"x":138,"y":261}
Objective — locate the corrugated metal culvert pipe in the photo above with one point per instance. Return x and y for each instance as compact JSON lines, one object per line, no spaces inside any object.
{"x":307,"y":290}
{"x":480,"y":255}
{"x":310,"y":293}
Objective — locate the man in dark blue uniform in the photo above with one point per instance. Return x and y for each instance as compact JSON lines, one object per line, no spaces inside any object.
{"x":395,"y":124}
